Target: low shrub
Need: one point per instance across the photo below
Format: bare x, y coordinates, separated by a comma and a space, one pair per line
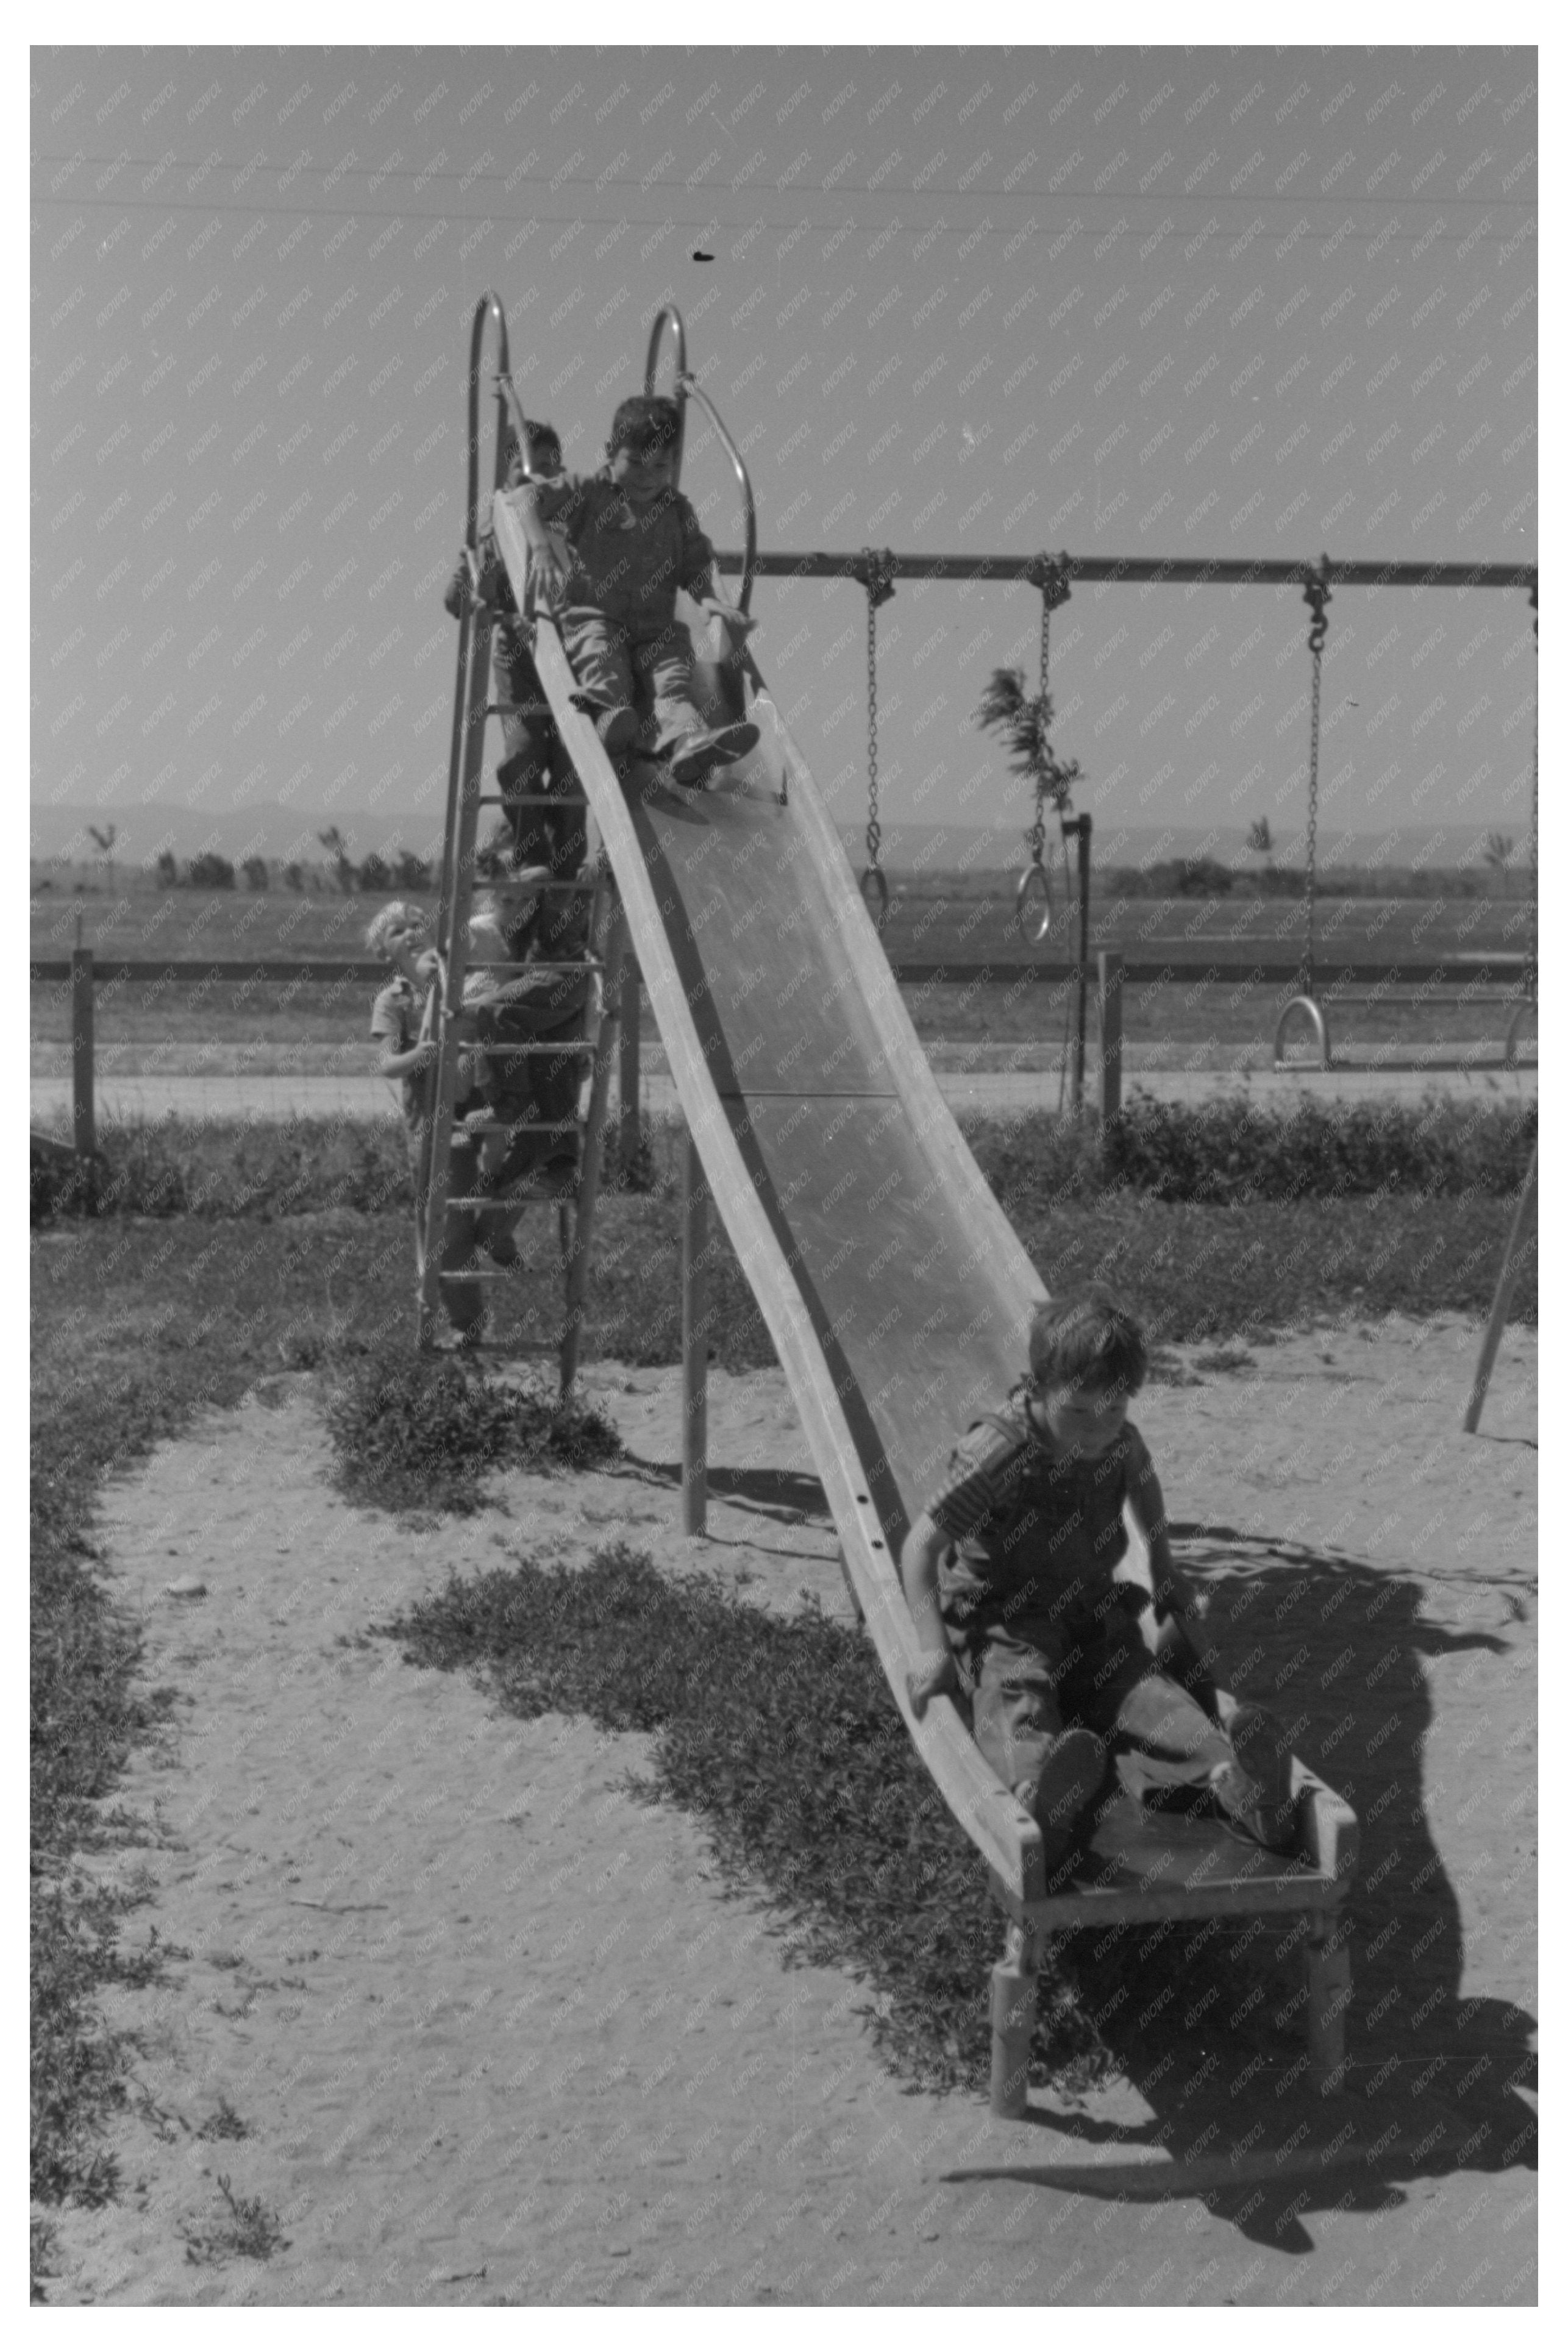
418, 1432
1233, 1150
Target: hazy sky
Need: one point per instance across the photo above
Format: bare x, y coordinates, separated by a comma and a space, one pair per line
1138, 302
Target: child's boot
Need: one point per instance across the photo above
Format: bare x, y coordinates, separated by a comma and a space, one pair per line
693, 759
617, 730
1254, 1792
1069, 1781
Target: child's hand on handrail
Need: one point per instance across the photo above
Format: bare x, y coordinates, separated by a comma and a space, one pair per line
552, 561
743, 623
933, 1677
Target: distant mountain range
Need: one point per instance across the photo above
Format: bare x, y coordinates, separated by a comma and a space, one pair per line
269, 829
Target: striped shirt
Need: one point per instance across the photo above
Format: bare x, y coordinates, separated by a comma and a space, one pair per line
1030, 1528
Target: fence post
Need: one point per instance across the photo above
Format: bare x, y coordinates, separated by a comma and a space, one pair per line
83, 1137
693, 1343
627, 1134
1111, 968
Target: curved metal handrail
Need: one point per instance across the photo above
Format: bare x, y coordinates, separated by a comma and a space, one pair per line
686, 387
490, 302
748, 503
670, 316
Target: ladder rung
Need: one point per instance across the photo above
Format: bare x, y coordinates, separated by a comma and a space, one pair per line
505, 1127
517, 709
529, 800
512, 1053
572, 963
565, 1189
539, 1127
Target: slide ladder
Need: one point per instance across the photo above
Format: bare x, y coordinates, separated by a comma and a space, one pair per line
455, 1024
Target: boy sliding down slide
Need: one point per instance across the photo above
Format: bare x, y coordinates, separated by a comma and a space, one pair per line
1009, 1573
633, 540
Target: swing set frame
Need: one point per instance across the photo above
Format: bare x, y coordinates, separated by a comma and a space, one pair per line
877, 570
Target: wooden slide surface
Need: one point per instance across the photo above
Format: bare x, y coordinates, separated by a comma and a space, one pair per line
896, 1292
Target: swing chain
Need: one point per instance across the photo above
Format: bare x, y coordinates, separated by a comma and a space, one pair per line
1318, 597
1532, 961
879, 571
1052, 575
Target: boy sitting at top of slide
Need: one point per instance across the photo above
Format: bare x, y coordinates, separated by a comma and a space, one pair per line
633, 540
1009, 1573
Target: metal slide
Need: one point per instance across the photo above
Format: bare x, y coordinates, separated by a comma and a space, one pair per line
896, 1293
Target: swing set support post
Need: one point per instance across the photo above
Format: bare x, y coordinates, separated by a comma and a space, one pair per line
1110, 971
1525, 1220
693, 1340
1083, 826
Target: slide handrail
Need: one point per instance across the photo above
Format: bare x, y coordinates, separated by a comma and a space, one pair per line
686, 388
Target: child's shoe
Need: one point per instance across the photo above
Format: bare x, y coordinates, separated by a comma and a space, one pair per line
617, 730
1069, 1782
1254, 1793
694, 758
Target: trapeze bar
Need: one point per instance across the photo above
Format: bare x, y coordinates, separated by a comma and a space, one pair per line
1184, 570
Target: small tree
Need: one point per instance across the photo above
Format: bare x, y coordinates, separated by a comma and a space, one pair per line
1498, 849
413, 872
210, 871
332, 842
105, 840
293, 876
256, 877
1024, 722
375, 873
1259, 839
168, 868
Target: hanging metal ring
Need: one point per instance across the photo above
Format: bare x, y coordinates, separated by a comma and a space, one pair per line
1522, 1012
1319, 1024
1032, 908
874, 890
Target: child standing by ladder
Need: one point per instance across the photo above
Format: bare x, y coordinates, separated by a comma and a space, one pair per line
399, 934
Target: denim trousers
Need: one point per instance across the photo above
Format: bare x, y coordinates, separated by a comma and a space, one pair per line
627, 664
1031, 1678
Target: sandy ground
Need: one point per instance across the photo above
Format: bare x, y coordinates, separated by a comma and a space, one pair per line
476, 2027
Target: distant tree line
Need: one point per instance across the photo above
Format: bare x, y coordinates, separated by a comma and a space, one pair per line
403, 870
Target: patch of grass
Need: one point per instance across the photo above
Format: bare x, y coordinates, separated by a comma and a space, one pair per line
418, 1432
780, 1736
224, 2123
249, 2228
1224, 1359
1230, 1151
